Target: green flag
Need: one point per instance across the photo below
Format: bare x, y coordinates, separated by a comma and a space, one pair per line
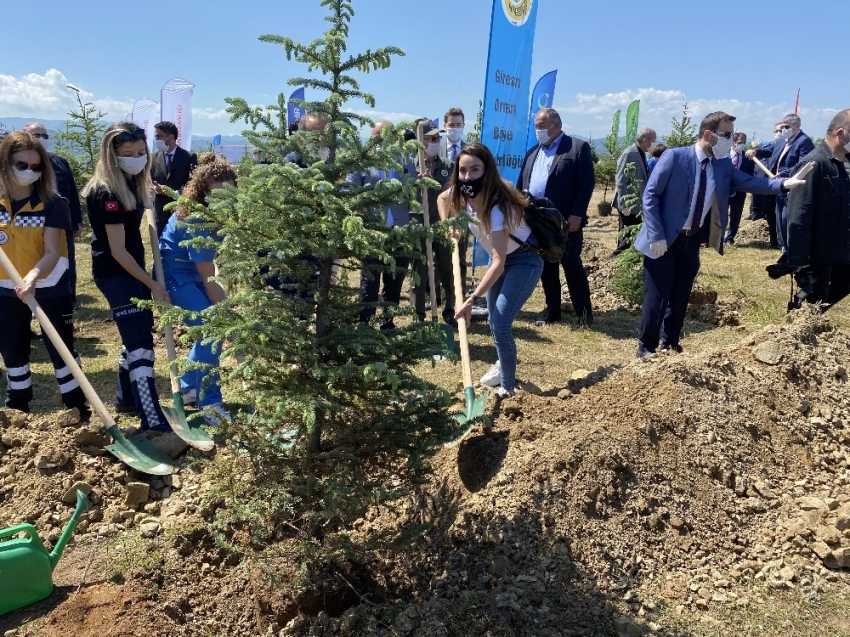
615, 126
632, 115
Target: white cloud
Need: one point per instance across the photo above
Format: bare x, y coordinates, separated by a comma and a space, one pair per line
210, 113
586, 113
47, 96
394, 116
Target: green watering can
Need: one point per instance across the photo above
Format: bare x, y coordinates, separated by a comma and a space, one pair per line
26, 568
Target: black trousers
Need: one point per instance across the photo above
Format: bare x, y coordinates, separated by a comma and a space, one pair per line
443, 278
576, 276
831, 284
371, 275
625, 221
15, 349
668, 281
736, 210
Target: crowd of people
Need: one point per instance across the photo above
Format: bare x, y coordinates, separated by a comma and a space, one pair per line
686, 198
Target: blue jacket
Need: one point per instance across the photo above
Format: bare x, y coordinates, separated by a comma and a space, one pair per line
798, 147
670, 190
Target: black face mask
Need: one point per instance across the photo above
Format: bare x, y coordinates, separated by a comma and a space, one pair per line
470, 187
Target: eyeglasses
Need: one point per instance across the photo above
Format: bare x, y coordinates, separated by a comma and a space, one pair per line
22, 166
40, 135
128, 136
726, 135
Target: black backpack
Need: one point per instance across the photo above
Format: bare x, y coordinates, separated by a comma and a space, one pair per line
549, 228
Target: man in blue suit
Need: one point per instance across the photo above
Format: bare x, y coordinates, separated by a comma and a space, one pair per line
686, 185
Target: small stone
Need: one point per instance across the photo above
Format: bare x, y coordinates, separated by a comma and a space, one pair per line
91, 438
676, 522
842, 557
768, 353
137, 493
70, 496
68, 418
787, 574
842, 523
173, 481
580, 374
765, 491
149, 529
170, 444
808, 503
51, 459
821, 549
499, 566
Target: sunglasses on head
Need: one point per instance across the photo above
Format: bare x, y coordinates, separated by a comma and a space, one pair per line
726, 135
128, 136
22, 166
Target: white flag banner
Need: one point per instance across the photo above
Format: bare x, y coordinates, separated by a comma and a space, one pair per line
176, 100
144, 114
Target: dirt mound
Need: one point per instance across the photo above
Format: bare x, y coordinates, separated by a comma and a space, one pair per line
600, 512
600, 272
753, 232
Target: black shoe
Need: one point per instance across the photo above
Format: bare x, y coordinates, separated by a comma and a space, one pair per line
125, 409
162, 428
643, 353
34, 336
85, 414
729, 242
547, 318
676, 348
450, 321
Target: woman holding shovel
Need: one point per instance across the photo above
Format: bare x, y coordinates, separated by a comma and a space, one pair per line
188, 269
116, 197
513, 272
33, 223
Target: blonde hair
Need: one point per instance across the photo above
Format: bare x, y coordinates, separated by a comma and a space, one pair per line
16, 142
107, 173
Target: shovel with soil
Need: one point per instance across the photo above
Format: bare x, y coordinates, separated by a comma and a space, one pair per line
137, 452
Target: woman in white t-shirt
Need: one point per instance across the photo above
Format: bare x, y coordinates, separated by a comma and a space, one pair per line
501, 229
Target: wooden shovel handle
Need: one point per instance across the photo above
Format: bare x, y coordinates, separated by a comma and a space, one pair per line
160, 276
426, 215
763, 167
465, 364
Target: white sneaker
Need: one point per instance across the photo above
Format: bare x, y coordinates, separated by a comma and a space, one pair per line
190, 397
215, 415
493, 376
505, 393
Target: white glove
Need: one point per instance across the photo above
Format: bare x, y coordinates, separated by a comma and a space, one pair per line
800, 178
658, 248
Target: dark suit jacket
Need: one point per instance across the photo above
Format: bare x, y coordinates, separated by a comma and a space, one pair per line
181, 168
799, 146
571, 177
67, 188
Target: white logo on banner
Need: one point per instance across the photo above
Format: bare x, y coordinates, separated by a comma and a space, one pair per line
517, 11
4, 238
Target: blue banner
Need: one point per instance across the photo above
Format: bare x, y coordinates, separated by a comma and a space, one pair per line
542, 96
217, 140
504, 129
295, 112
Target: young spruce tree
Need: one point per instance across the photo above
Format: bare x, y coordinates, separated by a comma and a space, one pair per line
80, 142
335, 419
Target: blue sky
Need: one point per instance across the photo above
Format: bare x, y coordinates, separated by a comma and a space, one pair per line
607, 53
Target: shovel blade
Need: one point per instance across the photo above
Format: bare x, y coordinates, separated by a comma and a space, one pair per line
474, 411
188, 429
139, 453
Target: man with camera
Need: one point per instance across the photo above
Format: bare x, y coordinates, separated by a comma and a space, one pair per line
819, 220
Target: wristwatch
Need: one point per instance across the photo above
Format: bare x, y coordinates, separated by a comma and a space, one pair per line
474, 298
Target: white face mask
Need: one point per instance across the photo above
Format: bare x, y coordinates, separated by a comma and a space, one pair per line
454, 134
542, 135
433, 148
777, 135
786, 133
847, 147
25, 177
722, 147
158, 144
739, 148
133, 165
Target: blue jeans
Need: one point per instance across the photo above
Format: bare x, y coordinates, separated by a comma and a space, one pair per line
193, 296
504, 301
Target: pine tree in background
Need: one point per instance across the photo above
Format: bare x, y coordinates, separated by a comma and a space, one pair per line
684, 133
474, 136
628, 273
336, 419
80, 143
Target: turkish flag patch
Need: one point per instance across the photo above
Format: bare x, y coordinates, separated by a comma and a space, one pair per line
112, 206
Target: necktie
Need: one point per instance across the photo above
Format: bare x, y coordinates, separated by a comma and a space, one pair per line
168, 163
700, 203
735, 160
453, 152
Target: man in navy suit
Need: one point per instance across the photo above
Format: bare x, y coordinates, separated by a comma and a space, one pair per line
560, 168
686, 185
737, 198
792, 146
